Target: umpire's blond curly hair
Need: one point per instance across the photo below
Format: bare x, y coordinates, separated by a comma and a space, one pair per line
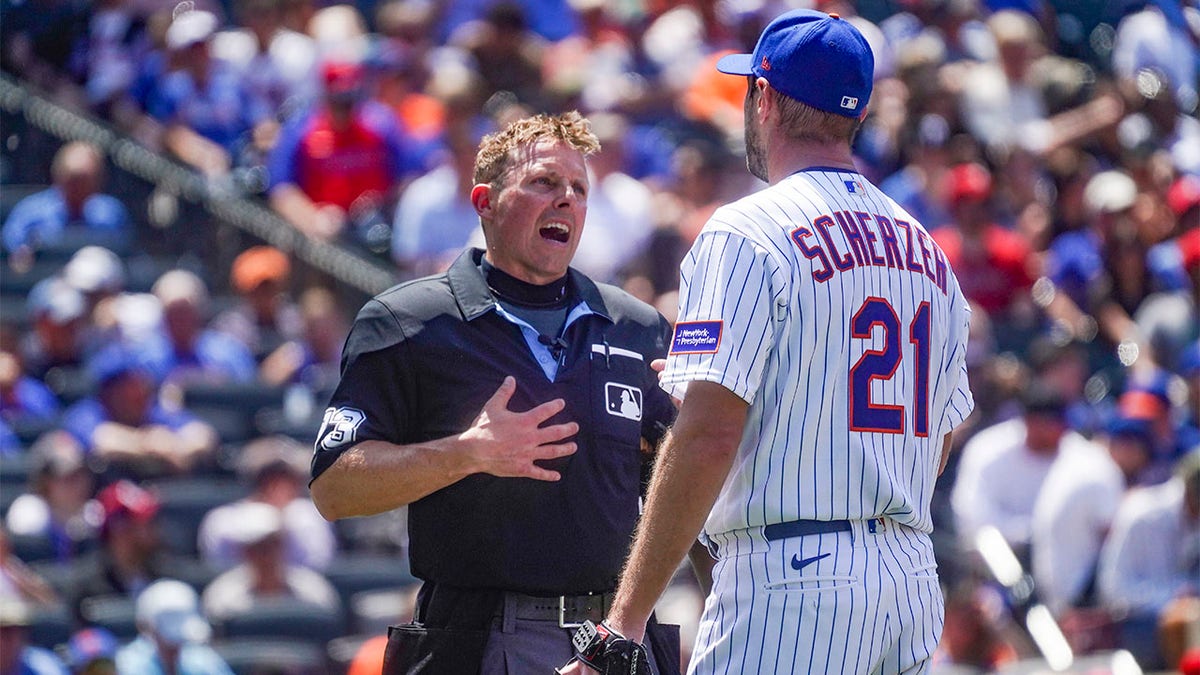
497, 151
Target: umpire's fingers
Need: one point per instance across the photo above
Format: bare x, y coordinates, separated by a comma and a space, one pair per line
545, 411
557, 432
548, 452
500, 399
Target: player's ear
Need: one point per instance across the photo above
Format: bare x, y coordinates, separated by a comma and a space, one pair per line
763, 100
481, 199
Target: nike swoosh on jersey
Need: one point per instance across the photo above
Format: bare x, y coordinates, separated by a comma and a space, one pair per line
798, 564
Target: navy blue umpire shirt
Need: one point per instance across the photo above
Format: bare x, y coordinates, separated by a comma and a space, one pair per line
420, 362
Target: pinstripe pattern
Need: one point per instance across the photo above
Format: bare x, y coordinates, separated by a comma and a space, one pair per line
873, 606
782, 272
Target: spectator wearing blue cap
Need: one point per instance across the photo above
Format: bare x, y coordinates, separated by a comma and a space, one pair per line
10, 445
91, 651
551, 19
56, 312
125, 423
917, 184
1131, 444
1064, 366
1189, 370
1147, 398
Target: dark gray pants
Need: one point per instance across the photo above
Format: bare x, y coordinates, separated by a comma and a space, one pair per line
454, 640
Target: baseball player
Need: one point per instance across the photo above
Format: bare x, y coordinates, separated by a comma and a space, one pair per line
820, 344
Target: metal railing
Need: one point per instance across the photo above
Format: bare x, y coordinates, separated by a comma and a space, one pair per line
219, 200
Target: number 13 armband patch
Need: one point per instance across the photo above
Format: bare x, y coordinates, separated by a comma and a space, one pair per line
340, 427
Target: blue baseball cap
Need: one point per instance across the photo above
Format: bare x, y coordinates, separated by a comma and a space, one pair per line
114, 361
90, 644
1131, 428
1189, 360
816, 58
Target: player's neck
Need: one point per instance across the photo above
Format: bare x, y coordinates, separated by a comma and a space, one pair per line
787, 158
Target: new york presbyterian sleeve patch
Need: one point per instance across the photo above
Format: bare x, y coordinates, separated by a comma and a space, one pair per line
696, 337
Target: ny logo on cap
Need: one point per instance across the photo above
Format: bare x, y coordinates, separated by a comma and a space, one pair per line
849, 102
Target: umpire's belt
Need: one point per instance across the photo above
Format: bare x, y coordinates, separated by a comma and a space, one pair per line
800, 528
570, 611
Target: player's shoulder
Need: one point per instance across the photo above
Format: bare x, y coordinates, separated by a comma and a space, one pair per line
758, 220
771, 203
617, 303
399, 312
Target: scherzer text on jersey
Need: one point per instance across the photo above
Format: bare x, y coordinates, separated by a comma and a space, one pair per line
866, 233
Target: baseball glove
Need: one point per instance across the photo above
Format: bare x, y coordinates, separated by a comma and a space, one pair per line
608, 652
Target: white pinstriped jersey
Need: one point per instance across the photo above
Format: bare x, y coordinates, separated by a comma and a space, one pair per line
829, 309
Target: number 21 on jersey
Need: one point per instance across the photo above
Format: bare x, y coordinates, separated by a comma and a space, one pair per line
882, 364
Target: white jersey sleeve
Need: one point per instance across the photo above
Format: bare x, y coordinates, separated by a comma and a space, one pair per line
961, 402
725, 298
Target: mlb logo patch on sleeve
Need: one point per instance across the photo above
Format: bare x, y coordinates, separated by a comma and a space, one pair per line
854, 187
696, 337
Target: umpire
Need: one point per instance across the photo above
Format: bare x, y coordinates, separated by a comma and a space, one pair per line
507, 402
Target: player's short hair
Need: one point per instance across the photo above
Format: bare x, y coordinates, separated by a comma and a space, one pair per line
496, 151
803, 122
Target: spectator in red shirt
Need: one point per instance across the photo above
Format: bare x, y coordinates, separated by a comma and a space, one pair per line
994, 265
342, 161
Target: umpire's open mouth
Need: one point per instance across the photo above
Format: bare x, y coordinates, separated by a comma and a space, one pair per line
559, 232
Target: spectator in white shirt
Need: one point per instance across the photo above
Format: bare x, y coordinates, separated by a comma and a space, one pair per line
1074, 510
276, 467
264, 573
1004, 467
1152, 557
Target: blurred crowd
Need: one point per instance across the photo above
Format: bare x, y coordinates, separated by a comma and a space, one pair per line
1051, 148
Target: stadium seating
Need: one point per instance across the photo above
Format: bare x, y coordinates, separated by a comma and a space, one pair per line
113, 612
184, 503
255, 656
285, 618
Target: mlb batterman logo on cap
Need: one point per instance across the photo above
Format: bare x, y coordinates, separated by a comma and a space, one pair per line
816, 58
